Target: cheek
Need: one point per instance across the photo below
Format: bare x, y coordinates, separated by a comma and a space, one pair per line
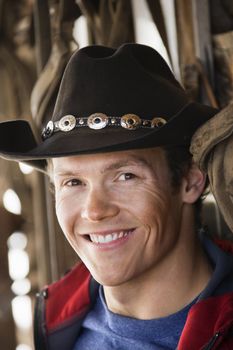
158, 211
151, 202
66, 212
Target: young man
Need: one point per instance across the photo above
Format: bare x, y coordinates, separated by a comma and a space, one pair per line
125, 189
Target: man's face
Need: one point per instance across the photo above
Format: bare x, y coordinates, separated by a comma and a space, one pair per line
118, 211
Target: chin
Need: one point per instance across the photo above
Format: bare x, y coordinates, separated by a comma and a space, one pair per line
108, 280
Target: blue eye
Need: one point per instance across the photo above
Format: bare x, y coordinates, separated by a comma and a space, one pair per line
127, 176
74, 182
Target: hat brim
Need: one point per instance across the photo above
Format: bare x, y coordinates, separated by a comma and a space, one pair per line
17, 141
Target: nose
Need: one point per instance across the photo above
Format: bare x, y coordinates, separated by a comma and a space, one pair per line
98, 206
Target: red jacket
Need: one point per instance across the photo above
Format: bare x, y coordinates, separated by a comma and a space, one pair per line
62, 306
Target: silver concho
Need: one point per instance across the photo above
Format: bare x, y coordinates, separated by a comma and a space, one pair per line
97, 121
158, 122
67, 123
130, 121
48, 130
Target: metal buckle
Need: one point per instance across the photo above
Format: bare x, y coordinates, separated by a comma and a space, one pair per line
97, 121
67, 123
130, 121
158, 122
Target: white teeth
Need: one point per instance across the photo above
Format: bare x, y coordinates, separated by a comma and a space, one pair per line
94, 238
121, 234
101, 239
115, 236
108, 238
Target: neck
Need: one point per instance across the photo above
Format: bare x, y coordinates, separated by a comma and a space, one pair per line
168, 287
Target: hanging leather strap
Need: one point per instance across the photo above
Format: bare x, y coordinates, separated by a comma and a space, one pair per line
206, 85
158, 17
42, 33
45, 90
186, 47
15, 77
110, 22
223, 54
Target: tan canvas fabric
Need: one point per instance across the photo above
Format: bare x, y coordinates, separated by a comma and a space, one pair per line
223, 54
212, 149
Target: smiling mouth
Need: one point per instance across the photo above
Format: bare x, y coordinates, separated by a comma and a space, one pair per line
110, 237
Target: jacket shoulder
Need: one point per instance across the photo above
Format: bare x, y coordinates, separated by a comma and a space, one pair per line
209, 319
68, 297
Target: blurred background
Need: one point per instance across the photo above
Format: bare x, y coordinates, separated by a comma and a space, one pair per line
37, 38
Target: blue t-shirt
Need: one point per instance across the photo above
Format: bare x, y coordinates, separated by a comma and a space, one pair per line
105, 330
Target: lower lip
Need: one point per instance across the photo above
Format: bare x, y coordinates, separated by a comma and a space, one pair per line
114, 244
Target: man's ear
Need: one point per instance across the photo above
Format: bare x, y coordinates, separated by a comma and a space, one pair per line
193, 184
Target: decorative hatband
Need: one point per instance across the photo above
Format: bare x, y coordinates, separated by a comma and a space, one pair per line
98, 121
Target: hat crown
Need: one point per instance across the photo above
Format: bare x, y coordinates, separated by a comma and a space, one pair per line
131, 79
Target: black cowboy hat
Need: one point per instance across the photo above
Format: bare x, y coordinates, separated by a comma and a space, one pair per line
109, 100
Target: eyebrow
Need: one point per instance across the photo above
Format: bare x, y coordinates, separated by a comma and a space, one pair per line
123, 163
132, 161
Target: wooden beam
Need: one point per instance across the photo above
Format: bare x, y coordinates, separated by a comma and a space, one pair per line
202, 36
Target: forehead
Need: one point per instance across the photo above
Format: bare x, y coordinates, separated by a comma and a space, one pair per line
143, 157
